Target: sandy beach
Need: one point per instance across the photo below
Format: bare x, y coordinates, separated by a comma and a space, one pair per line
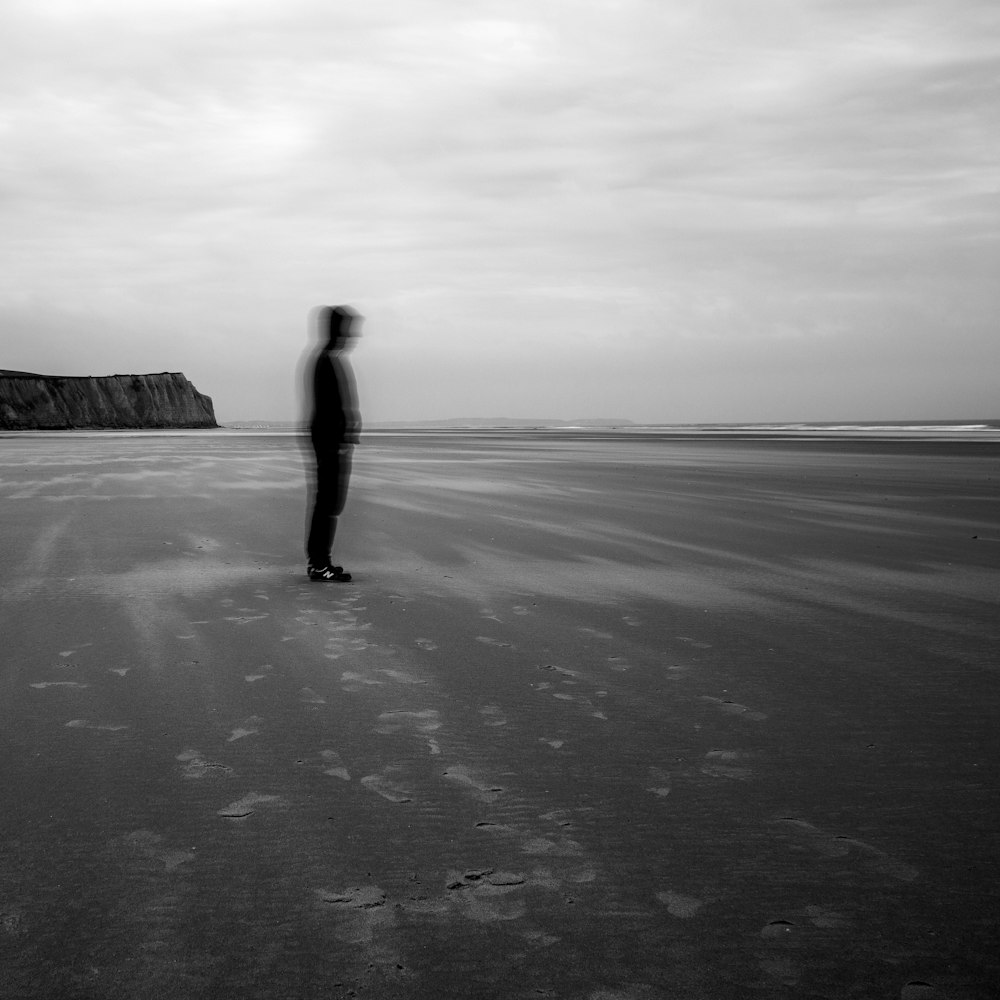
600, 717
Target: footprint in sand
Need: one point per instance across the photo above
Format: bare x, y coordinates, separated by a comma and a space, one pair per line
197, 766
262, 671
493, 715
248, 727
734, 708
361, 897
661, 784
330, 762
360, 912
558, 846
353, 682
778, 930
584, 703
594, 632
461, 775
565, 671
69, 652
334, 765
486, 895
520, 609
244, 808
387, 785
428, 644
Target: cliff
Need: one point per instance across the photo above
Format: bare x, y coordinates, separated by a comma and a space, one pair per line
52, 402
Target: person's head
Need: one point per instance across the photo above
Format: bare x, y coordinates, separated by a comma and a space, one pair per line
343, 324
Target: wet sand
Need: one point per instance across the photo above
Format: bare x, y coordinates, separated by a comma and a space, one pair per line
601, 716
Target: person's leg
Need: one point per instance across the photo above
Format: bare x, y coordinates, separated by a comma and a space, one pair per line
323, 525
333, 472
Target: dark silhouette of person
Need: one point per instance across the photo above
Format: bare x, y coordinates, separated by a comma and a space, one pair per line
334, 429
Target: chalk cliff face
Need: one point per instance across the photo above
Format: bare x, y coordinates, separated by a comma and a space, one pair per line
51, 402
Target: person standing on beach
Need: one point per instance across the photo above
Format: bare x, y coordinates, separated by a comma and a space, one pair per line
334, 430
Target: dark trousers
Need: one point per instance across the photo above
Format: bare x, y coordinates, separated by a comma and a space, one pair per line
333, 473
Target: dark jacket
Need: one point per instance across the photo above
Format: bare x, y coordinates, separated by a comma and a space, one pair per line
335, 417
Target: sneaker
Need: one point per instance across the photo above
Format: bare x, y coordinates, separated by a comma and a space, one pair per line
335, 574
310, 568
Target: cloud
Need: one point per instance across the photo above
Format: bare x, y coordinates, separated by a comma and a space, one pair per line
543, 209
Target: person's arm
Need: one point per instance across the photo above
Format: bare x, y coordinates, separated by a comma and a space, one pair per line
349, 402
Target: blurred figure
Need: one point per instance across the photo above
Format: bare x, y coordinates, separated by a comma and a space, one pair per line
334, 429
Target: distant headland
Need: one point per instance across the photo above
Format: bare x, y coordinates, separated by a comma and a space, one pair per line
112, 402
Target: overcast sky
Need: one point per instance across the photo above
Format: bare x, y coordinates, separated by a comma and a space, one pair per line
662, 210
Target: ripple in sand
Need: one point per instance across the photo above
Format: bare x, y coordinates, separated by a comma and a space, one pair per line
41, 685
239, 620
